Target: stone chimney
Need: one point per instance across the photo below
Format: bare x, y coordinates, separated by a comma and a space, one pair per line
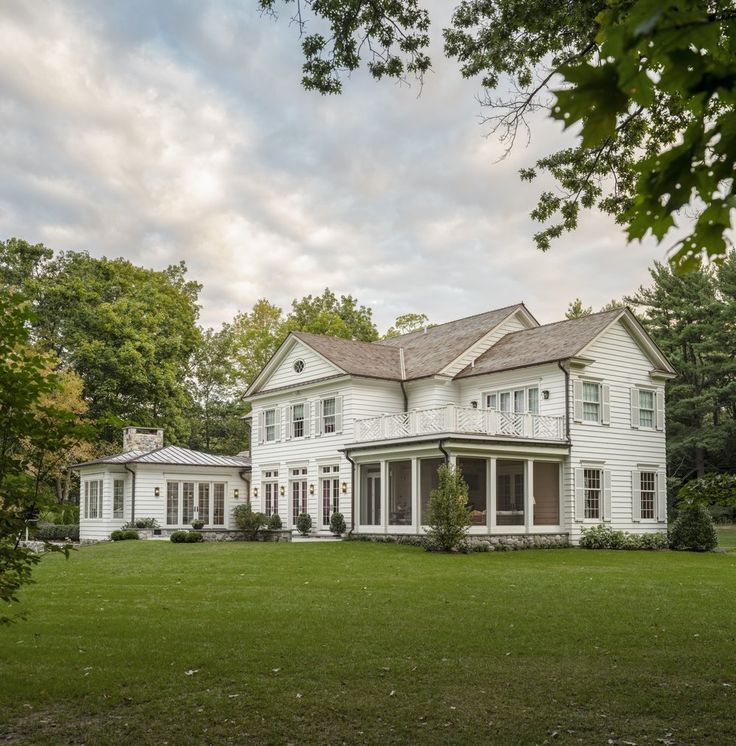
142, 438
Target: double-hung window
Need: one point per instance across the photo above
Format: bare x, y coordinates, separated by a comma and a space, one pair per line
269, 424
591, 402
329, 415
647, 484
297, 420
93, 498
593, 492
271, 491
518, 401
118, 498
646, 408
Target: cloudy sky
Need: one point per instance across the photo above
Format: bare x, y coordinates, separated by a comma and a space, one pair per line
179, 130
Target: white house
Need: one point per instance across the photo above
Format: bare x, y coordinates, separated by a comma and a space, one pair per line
555, 427
171, 484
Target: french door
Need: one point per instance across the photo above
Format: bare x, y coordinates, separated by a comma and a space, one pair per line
190, 501
298, 493
330, 491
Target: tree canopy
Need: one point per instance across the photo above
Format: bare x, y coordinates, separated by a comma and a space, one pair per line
649, 84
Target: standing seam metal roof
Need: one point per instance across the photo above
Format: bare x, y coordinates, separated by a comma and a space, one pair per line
172, 455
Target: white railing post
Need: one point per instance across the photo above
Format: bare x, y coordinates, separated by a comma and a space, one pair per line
450, 418
528, 426
412, 422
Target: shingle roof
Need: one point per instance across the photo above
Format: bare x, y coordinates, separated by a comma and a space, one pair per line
357, 358
542, 344
428, 352
173, 455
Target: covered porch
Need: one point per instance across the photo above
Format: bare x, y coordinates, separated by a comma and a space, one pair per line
511, 489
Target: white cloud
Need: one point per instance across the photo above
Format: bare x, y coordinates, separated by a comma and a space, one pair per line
163, 132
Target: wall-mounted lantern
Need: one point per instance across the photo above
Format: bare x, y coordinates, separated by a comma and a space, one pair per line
545, 394
474, 404
344, 487
255, 492
282, 490
311, 489
157, 492
236, 493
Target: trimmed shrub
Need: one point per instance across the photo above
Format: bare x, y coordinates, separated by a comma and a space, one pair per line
248, 521
198, 524
194, 537
449, 514
141, 523
603, 536
130, 533
179, 537
274, 522
337, 524
304, 523
116, 536
694, 530
57, 532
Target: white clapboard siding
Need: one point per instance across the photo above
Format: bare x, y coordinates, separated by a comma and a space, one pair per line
315, 367
619, 447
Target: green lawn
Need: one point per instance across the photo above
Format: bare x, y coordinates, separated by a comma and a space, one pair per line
149, 642
727, 537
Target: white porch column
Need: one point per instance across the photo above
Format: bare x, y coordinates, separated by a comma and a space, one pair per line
492, 494
415, 494
384, 495
529, 495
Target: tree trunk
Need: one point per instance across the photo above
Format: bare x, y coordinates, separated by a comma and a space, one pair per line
700, 461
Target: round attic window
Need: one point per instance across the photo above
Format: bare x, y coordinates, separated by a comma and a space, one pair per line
298, 366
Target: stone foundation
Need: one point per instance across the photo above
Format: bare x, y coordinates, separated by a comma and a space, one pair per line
216, 534
478, 543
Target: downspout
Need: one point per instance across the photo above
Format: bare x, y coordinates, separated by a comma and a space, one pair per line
406, 397
441, 446
403, 379
567, 398
242, 476
132, 493
352, 491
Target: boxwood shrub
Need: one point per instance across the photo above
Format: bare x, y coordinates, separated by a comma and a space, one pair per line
693, 530
57, 532
605, 537
186, 537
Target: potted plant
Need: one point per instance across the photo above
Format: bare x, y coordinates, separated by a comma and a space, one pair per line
197, 524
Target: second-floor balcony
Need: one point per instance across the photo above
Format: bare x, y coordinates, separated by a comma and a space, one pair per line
462, 420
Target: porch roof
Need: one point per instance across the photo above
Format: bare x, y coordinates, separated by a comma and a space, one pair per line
171, 455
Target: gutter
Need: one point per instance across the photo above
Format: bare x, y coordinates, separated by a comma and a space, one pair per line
132, 493
352, 491
567, 399
441, 446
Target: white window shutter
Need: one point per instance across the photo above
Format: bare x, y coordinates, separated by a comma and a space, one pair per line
307, 419
634, 407
577, 407
277, 423
318, 418
659, 399
338, 414
662, 496
99, 500
288, 418
635, 496
261, 428
606, 512
606, 408
86, 500
579, 495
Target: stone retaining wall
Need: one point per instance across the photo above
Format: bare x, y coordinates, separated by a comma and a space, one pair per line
485, 543
217, 534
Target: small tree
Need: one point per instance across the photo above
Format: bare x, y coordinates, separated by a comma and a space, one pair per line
449, 514
249, 522
337, 524
304, 523
694, 530
274, 522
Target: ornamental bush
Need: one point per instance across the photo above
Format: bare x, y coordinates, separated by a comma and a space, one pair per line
116, 536
179, 537
248, 521
130, 533
304, 523
57, 532
194, 537
694, 530
141, 523
449, 514
337, 524
603, 536
274, 522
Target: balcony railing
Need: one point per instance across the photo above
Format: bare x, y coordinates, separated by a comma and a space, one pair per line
453, 419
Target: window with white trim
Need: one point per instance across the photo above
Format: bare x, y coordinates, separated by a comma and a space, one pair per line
592, 483
329, 415
646, 408
270, 481
93, 498
330, 491
297, 420
648, 486
298, 488
118, 498
269, 424
524, 400
591, 402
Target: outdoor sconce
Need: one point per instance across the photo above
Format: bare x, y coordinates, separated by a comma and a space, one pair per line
255, 492
311, 489
282, 490
236, 493
545, 394
474, 404
344, 487
156, 492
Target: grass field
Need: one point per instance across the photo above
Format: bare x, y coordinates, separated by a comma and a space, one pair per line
148, 642
727, 537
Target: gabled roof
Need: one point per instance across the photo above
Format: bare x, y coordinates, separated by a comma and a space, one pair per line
171, 455
356, 358
561, 340
427, 352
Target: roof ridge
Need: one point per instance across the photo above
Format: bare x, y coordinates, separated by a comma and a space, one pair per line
566, 321
452, 321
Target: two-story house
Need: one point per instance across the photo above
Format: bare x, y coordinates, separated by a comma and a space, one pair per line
554, 427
